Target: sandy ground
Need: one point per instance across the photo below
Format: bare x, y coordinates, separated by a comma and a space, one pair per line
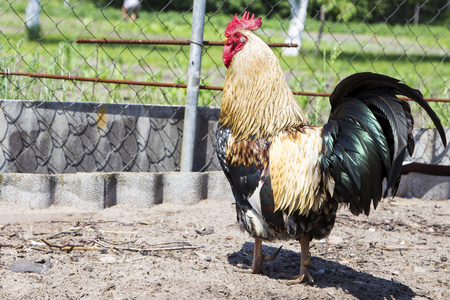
192, 251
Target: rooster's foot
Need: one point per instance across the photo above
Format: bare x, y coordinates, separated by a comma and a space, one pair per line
304, 277
258, 258
305, 260
243, 268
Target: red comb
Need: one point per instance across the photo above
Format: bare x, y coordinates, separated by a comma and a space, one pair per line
245, 23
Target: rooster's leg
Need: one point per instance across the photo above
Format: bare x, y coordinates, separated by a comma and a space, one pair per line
305, 260
257, 264
258, 258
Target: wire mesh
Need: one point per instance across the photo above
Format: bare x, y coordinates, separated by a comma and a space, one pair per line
408, 40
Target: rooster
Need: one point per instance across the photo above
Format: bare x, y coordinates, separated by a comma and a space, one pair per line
289, 177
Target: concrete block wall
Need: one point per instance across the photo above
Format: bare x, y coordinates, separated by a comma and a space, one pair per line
45, 137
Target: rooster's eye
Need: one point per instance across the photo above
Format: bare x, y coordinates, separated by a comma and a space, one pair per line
236, 36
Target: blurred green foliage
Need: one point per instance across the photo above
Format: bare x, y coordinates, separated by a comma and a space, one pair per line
391, 12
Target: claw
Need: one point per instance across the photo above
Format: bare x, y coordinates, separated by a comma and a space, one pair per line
305, 277
249, 270
273, 256
307, 261
243, 268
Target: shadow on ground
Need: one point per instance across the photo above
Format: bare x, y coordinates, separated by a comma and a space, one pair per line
326, 274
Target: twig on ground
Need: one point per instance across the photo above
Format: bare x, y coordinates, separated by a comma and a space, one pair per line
118, 243
19, 233
117, 232
169, 244
121, 223
4, 226
67, 231
403, 248
69, 247
107, 247
166, 246
98, 234
162, 249
61, 221
39, 249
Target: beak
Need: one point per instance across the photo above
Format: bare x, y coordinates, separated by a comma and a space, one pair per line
225, 39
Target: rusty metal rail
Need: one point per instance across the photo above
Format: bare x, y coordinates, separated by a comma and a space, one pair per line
164, 42
161, 84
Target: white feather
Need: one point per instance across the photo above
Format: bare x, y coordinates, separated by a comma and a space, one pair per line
258, 223
255, 200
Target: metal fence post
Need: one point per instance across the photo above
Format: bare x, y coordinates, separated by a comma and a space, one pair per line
33, 12
195, 59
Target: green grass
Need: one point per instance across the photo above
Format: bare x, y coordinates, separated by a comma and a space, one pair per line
314, 70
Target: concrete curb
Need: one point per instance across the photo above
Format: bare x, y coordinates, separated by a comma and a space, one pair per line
428, 150
95, 191
429, 187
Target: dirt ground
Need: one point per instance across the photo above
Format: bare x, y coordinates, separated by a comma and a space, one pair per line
192, 251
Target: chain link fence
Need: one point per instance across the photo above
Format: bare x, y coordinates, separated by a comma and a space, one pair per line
98, 107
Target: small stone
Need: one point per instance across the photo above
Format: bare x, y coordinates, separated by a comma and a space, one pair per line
107, 259
396, 280
335, 240
203, 256
30, 267
34, 243
205, 230
389, 225
419, 270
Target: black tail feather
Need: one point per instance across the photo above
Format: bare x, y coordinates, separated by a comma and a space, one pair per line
361, 83
371, 130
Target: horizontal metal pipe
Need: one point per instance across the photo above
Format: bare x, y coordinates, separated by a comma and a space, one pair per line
165, 42
162, 84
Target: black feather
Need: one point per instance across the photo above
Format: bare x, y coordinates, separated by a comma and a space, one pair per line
243, 180
360, 83
367, 136
272, 217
